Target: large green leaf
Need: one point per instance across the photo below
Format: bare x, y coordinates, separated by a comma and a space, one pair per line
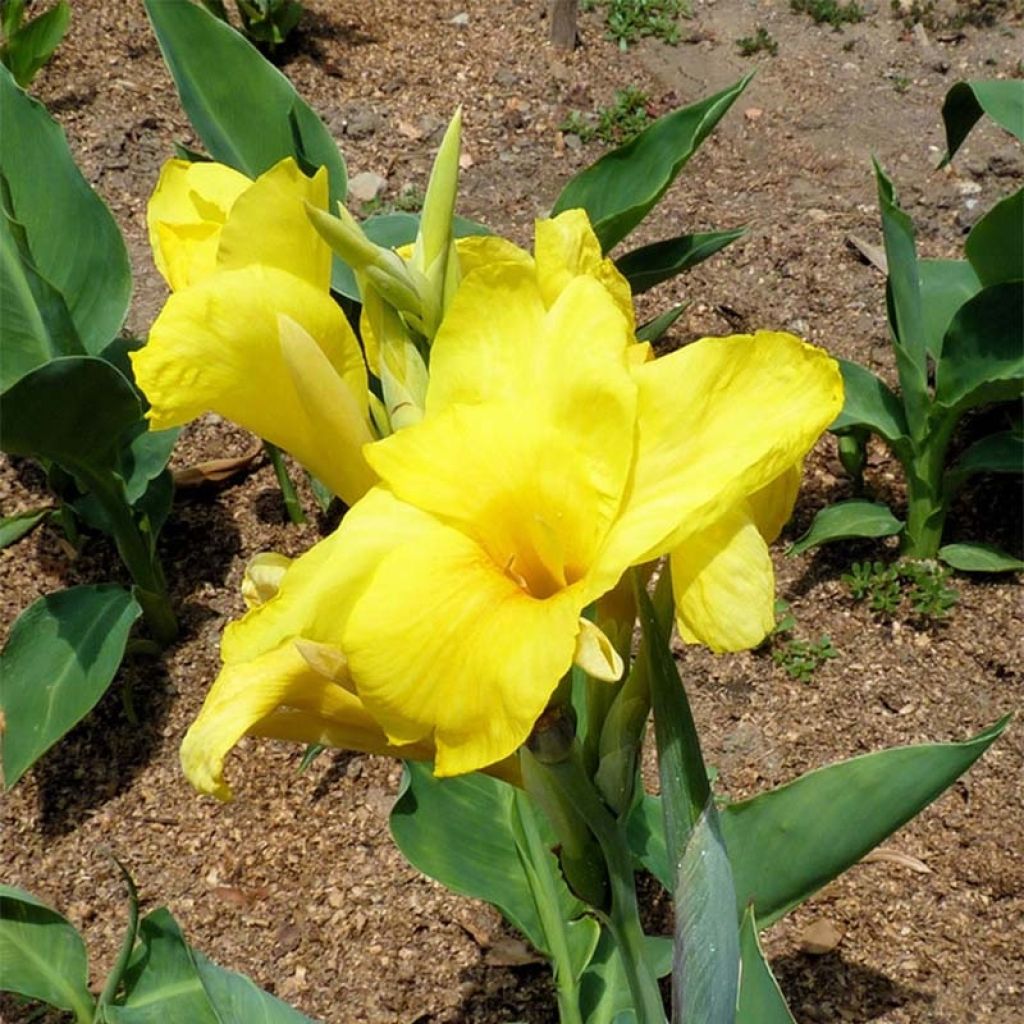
845, 520
623, 186
965, 102
761, 1000
705, 971
246, 112
983, 352
604, 989
167, 980
73, 239
787, 843
868, 402
945, 286
998, 453
979, 558
71, 410
651, 264
59, 660
36, 325
995, 245
41, 955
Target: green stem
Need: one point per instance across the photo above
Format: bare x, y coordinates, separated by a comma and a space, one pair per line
291, 499
927, 502
546, 901
624, 918
113, 981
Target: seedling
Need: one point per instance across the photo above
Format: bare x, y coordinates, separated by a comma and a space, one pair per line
886, 588
800, 659
25, 46
760, 42
829, 12
630, 20
622, 120
267, 23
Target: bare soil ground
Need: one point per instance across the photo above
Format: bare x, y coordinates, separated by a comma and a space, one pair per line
297, 882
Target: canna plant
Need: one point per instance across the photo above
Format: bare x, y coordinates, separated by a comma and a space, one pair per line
535, 485
25, 46
268, 23
69, 402
957, 329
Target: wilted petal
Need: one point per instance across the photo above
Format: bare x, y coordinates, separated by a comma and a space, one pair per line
596, 655
724, 585
262, 578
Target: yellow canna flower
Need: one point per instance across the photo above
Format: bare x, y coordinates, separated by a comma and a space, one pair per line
251, 331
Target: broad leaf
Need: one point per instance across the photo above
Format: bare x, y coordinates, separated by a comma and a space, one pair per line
651, 264
41, 955
74, 241
997, 453
945, 286
983, 352
995, 246
761, 1000
15, 527
787, 843
1003, 101
605, 997
847, 519
246, 112
869, 403
60, 658
623, 186
979, 558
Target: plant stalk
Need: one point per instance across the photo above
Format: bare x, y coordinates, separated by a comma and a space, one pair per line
927, 502
289, 495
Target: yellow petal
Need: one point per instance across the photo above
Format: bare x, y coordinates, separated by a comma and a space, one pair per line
772, 506
724, 585
596, 655
268, 225
444, 642
476, 251
216, 347
185, 215
263, 575
718, 420
566, 247
248, 698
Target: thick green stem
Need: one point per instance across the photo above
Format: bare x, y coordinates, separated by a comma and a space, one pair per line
289, 495
624, 917
927, 503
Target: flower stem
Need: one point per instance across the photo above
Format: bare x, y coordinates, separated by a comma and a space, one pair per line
292, 504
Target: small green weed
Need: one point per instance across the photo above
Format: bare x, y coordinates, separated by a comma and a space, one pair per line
800, 659
623, 119
630, 20
409, 200
829, 12
921, 584
760, 42
901, 83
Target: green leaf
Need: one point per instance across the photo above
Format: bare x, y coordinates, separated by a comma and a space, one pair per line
246, 112
41, 955
623, 186
983, 351
995, 246
761, 1000
705, 971
945, 286
145, 457
651, 264
604, 989
1003, 101
998, 453
787, 843
32, 45
848, 519
481, 859
15, 527
169, 981
869, 403
70, 410
656, 328
60, 658
37, 326
979, 558
74, 241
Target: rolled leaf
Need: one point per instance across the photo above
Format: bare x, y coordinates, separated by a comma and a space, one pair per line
74, 242
651, 264
845, 520
42, 955
1003, 101
623, 186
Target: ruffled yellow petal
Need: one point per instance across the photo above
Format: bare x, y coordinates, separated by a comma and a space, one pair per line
724, 585
263, 575
476, 251
268, 225
566, 247
216, 346
185, 215
276, 694
444, 642
717, 421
